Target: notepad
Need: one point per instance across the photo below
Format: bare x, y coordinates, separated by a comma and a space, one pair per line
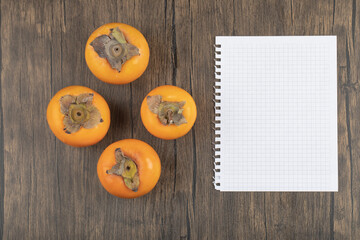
276, 114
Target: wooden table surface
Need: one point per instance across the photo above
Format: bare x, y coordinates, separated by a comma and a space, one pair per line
49, 190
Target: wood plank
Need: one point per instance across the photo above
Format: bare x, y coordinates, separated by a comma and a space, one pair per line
184, 180
30, 202
201, 24
342, 206
216, 215
353, 117
2, 171
158, 207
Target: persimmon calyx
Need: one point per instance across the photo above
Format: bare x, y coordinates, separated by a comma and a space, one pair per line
168, 112
79, 112
127, 169
114, 48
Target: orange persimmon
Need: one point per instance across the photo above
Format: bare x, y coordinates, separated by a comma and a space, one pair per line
168, 112
78, 116
117, 53
129, 168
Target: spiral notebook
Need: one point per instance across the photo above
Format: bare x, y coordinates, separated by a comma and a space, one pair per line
276, 114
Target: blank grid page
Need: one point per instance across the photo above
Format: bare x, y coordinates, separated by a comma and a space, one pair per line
278, 129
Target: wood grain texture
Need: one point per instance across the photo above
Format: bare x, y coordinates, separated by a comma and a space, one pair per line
49, 190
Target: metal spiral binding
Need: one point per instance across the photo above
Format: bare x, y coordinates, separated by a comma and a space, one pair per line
217, 122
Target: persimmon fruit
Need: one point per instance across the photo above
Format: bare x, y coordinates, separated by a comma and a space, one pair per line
168, 112
78, 116
117, 53
129, 168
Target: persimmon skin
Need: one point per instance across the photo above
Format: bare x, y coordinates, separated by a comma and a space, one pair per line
146, 159
83, 137
172, 94
132, 69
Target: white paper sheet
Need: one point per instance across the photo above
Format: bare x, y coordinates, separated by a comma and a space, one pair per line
278, 129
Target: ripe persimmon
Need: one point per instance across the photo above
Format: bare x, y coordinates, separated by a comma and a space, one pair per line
117, 53
78, 116
129, 168
168, 112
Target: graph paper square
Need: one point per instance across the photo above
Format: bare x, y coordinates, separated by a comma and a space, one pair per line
278, 113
